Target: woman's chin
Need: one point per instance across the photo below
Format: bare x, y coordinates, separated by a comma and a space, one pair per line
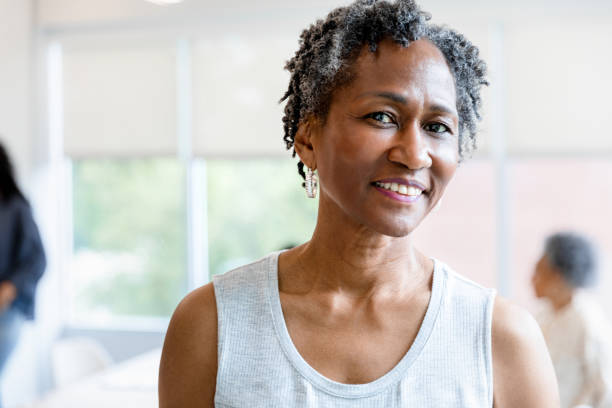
396, 228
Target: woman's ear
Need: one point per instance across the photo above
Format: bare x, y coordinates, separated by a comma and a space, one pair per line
303, 142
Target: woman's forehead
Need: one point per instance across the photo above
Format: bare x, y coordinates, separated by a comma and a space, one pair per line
419, 67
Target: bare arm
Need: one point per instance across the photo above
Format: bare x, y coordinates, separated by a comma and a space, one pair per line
523, 373
188, 368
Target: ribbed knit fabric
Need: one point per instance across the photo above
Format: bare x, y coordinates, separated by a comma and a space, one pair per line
448, 365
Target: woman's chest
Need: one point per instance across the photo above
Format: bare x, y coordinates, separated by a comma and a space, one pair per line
356, 347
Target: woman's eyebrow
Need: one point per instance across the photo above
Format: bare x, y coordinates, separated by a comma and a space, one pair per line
443, 109
398, 98
395, 97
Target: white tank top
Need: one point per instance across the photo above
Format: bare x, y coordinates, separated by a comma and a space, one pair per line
449, 364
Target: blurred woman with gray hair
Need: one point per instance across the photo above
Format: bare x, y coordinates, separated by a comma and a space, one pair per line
578, 335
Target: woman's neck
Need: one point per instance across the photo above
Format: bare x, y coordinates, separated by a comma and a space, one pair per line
561, 300
347, 257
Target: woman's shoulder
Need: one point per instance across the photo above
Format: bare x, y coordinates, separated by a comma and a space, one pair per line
512, 327
188, 365
512, 323
520, 359
189, 358
195, 316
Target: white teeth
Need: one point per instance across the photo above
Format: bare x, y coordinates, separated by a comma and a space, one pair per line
401, 188
413, 191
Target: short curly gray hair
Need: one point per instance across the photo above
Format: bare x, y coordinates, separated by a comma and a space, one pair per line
329, 47
574, 257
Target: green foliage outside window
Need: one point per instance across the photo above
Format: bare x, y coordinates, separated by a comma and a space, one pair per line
130, 209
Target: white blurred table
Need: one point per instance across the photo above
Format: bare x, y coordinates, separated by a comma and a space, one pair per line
131, 383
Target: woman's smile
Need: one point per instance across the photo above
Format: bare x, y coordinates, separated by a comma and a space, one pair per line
400, 190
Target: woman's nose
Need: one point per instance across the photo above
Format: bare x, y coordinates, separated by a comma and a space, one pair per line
410, 148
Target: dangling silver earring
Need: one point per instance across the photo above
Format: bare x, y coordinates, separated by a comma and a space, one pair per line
311, 183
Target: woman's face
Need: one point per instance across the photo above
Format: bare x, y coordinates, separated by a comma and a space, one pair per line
389, 144
547, 282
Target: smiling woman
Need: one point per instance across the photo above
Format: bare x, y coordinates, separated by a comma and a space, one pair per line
383, 106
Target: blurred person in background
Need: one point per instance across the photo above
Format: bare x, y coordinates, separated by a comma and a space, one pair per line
22, 260
576, 330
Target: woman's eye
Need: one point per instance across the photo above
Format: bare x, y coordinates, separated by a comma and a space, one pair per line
381, 117
437, 128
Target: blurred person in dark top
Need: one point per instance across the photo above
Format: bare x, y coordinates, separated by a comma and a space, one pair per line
22, 260
575, 327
